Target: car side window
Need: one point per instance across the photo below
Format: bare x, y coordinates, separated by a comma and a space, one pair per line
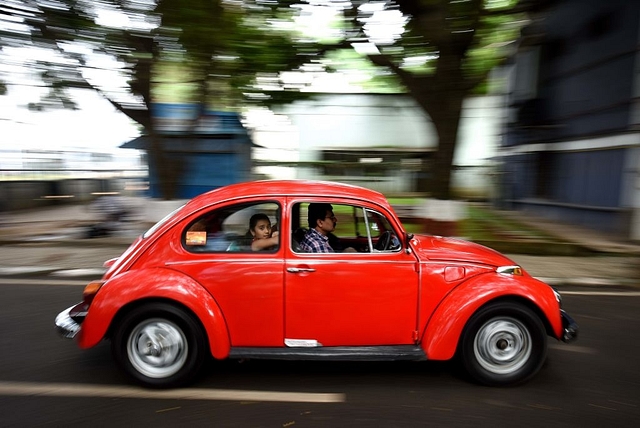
227, 229
357, 229
380, 232
344, 225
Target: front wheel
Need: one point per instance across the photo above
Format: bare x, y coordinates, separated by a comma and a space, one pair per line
503, 344
159, 345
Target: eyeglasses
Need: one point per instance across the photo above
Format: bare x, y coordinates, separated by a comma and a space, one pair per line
332, 217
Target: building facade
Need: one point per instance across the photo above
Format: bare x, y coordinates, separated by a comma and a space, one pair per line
571, 147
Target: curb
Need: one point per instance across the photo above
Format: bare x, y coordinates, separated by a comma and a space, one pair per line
624, 283
550, 248
95, 242
21, 272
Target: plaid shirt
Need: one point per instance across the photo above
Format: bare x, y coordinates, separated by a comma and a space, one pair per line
315, 242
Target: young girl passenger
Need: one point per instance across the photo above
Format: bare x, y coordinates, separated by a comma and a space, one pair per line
260, 228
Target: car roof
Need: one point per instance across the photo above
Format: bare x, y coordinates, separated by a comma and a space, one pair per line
303, 188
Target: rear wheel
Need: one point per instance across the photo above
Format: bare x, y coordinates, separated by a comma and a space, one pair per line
159, 345
503, 343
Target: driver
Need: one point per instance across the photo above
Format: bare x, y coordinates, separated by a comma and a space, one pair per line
322, 222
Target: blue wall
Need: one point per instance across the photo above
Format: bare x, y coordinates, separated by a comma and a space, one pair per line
585, 62
203, 172
582, 188
214, 152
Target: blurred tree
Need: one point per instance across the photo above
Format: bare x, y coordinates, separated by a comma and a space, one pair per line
463, 40
128, 50
224, 53
441, 51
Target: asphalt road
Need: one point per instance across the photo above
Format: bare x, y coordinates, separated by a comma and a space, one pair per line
48, 381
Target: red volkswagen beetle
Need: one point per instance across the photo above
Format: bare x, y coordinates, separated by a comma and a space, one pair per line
195, 284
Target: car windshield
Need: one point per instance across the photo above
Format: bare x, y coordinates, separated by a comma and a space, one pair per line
156, 226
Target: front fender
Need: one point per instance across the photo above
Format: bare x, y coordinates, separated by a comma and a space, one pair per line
158, 283
442, 332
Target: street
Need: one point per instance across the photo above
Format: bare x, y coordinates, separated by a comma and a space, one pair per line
48, 381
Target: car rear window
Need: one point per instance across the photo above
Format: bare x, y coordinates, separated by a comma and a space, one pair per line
156, 226
226, 228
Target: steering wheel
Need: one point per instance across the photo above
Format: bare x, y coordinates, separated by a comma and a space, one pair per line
383, 241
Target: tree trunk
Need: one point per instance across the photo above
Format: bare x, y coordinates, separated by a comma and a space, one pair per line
168, 168
440, 96
446, 121
444, 108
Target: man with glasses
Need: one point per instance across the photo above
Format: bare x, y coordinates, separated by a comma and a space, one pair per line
322, 222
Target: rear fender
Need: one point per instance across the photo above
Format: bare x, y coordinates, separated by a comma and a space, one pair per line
135, 286
442, 332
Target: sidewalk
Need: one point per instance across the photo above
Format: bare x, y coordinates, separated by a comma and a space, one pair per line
597, 242
49, 243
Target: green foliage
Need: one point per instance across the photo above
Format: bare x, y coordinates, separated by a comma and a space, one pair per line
485, 224
221, 52
226, 54
201, 51
496, 35
481, 224
363, 73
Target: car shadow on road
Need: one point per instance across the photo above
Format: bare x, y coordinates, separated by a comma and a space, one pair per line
96, 366
298, 375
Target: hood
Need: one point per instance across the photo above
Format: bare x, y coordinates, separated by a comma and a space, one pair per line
457, 250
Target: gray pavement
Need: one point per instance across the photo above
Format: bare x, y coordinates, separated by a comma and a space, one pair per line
50, 242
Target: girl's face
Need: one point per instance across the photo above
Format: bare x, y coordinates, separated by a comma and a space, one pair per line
262, 229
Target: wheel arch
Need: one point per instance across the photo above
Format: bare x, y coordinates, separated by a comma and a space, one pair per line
131, 306
119, 298
443, 331
518, 300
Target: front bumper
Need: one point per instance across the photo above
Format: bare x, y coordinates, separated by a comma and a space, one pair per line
66, 326
569, 327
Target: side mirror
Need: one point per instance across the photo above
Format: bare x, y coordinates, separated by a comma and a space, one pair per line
407, 240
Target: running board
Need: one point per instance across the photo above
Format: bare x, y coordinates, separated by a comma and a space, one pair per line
334, 353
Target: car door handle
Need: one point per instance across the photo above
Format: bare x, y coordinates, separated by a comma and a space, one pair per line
298, 270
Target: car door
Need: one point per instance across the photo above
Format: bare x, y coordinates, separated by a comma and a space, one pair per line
246, 284
351, 299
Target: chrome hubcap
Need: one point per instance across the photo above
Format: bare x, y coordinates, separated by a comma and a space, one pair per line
157, 348
502, 345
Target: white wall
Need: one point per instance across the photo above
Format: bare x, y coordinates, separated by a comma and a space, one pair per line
370, 120
299, 131
359, 120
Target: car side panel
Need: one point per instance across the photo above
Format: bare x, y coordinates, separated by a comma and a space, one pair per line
247, 286
249, 290
354, 299
438, 279
152, 283
442, 331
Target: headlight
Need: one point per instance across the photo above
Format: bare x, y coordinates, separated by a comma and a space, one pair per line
510, 270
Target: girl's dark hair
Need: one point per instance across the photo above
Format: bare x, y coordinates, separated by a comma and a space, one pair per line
254, 219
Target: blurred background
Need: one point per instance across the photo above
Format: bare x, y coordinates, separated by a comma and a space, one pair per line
447, 107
